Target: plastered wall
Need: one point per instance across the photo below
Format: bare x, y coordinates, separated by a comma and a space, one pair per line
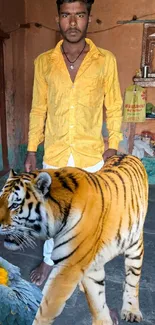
124, 41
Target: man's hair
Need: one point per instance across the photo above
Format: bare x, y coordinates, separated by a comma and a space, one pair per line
87, 2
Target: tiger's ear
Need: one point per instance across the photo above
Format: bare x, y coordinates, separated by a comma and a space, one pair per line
12, 173
43, 182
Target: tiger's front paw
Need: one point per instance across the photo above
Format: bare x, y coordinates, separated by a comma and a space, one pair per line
112, 320
130, 316
103, 322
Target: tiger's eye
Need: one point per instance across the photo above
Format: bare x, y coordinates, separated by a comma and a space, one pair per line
14, 206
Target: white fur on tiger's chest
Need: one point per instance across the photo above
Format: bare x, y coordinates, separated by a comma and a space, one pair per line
64, 240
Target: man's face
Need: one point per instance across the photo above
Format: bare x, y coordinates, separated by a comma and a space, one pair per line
73, 21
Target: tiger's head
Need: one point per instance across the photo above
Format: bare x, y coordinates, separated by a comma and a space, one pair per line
23, 211
38, 204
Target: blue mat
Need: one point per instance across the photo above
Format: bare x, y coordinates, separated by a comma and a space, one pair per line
149, 164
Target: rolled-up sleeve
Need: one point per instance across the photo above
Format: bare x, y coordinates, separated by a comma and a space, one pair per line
113, 104
39, 107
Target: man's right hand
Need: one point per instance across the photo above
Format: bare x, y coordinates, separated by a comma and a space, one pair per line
30, 161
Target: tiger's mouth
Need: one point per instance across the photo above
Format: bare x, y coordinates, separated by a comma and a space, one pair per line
6, 230
16, 239
9, 241
11, 244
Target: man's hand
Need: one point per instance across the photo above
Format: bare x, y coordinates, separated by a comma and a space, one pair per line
30, 161
109, 153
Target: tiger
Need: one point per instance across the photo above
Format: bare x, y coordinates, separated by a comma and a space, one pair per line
92, 217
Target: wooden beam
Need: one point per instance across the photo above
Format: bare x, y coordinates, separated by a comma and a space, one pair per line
4, 172
132, 127
135, 21
3, 35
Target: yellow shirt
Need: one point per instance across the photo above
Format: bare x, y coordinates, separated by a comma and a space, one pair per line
68, 116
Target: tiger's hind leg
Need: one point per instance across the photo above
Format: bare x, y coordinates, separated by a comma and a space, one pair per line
133, 265
94, 287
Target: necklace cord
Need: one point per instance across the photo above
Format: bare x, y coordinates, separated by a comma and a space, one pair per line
72, 62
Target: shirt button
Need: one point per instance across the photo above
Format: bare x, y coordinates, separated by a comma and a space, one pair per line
71, 145
71, 126
72, 106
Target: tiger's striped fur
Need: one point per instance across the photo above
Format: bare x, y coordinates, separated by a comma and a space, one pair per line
92, 218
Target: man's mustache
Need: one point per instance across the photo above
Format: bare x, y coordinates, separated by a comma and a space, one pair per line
73, 30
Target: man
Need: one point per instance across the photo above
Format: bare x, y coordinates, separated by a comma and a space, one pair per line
71, 84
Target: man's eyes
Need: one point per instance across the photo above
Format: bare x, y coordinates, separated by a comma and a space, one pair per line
77, 15
81, 15
64, 15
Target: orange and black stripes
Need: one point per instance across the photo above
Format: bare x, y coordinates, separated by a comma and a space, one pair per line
93, 217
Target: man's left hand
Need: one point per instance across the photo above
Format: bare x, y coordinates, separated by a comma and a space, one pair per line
109, 153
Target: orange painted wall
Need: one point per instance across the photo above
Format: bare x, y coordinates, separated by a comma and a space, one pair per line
20, 51
37, 41
124, 41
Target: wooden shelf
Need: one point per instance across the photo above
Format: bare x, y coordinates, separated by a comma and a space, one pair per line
136, 21
138, 128
144, 82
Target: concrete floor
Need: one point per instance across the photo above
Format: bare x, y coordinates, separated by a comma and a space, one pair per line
76, 311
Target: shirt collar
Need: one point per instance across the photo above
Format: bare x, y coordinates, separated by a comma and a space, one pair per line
94, 51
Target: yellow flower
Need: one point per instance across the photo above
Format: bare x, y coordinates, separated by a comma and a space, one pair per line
3, 276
